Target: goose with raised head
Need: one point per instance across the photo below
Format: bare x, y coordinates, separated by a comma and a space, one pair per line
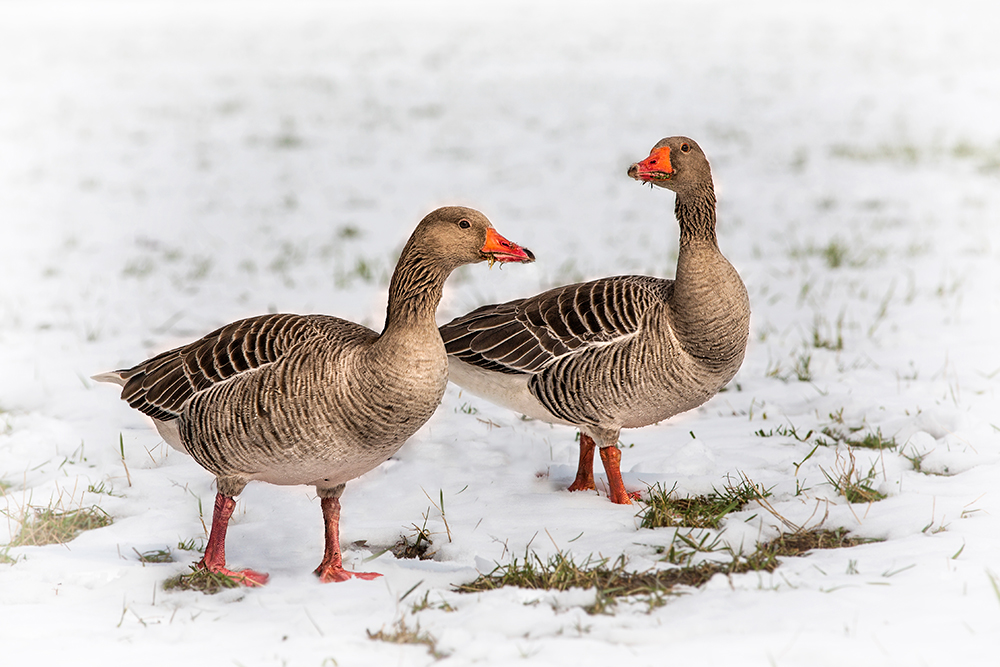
313, 399
619, 352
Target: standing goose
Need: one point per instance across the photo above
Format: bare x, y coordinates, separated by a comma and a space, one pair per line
620, 352
313, 399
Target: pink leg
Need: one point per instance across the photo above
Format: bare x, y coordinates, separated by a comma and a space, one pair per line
214, 559
611, 457
585, 470
332, 567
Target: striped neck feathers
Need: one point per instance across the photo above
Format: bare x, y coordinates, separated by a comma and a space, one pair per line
415, 289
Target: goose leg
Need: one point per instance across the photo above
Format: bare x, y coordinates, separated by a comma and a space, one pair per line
214, 559
332, 567
611, 457
585, 470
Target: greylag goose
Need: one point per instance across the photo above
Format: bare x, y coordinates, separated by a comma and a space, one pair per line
620, 352
313, 399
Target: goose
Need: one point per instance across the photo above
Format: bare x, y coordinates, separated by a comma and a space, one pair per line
618, 352
313, 399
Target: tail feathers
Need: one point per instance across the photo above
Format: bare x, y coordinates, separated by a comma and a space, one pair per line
113, 377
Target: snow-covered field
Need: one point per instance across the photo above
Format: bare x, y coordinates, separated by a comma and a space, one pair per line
166, 168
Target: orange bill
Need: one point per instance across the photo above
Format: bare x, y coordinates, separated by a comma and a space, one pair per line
656, 167
498, 249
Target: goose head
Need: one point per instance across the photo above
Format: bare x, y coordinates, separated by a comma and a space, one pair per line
675, 163
456, 235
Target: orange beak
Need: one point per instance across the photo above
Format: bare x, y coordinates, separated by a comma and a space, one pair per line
656, 167
498, 249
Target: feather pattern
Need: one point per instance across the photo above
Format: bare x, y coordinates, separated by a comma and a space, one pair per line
160, 387
526, 335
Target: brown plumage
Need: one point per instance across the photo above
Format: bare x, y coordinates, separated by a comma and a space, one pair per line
313, 399
620, 352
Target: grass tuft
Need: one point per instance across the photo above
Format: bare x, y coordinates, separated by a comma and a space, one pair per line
419, 546
848, 481
798, 543
665, 509
404, 634
52, 526
202, 580
870, 440
194, 544
560, 572
155, 556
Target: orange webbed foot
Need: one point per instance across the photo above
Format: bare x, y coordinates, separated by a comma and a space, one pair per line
248, 578
334, 574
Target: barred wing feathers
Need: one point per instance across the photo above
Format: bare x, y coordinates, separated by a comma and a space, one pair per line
161, 386
527, 335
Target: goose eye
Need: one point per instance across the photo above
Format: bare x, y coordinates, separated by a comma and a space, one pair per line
685, 148
464, 224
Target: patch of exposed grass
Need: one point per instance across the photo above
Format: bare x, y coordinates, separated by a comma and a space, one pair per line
421, 542
848, 481
5, 557
100, 489
48, 525
823, 338
664, 508
417, 546
788, 431
916, 460
612, 581
801, 370
155, 556
202, 580
401, 633
798, 543
560, 572
870, 440
835, 433
684, 547
194, 544
425, 603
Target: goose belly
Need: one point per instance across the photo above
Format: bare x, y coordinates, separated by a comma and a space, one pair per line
651, 402
505, 389
324, 472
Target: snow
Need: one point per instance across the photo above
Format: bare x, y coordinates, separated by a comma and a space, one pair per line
170, 167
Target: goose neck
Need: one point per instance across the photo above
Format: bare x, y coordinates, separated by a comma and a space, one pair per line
414, 291
695, 213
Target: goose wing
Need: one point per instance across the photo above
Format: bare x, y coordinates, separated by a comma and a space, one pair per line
161, 386
526, 335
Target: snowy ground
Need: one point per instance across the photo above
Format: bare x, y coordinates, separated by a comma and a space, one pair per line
167, 168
